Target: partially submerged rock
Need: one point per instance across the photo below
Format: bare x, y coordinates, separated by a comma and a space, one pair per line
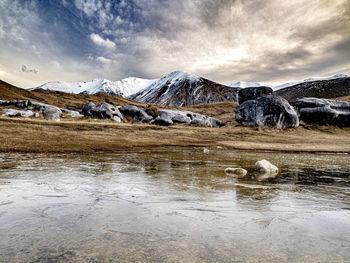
239, 172
52, 113
271, 111
266, 170
253, 93
323, 111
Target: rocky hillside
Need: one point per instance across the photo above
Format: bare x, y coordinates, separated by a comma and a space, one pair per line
180, 89
59, 99
333, 88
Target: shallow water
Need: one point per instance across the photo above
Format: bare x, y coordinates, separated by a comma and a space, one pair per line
175, 206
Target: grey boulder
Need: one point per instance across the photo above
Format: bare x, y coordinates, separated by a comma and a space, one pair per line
253, 93
105, 111
52, 113
138, 114
16, 113
323, 111
168, 117
270, 111
87, 108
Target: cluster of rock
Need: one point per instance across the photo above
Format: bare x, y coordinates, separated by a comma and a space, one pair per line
259, 107
163, 117
323, 111
49, 112
264, 171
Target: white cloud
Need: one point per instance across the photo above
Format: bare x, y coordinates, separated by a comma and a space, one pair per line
98, 40
104, 60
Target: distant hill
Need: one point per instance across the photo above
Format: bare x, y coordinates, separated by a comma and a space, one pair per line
331, 88
179, 89
59, 99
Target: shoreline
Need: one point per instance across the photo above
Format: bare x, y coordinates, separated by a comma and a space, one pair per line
19, 135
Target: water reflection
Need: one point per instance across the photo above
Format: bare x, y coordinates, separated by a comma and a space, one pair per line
176, 206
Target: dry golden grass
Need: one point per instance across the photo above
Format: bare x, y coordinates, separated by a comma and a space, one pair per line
31, 135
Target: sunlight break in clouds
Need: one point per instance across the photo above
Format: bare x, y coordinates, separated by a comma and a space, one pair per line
225, 40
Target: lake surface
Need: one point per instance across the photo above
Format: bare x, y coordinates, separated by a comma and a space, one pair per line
174, 206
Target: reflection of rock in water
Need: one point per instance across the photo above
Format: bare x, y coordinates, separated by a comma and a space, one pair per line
256, 192
307, 176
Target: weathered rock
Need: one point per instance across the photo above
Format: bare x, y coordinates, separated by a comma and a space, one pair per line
16, 113
138, 114
52, 113
323, 111
37, 106
87, 108
271, 111
239, 172
266, 170
168, 117
72, 113
253, 93
105, 111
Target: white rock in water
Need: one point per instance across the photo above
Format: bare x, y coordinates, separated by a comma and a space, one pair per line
240, 172
267, 168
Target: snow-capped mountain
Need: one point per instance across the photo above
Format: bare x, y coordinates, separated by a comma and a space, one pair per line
245, 84
183, 89
122, 88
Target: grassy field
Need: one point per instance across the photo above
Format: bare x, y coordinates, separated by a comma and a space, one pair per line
86, 135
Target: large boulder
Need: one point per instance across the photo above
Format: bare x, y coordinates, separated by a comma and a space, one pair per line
323, 111
52, 113
105, 111
253, 93
270, 110
138, 114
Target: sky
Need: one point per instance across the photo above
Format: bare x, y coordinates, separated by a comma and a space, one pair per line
266, 41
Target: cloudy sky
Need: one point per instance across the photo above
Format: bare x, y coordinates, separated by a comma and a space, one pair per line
268, 41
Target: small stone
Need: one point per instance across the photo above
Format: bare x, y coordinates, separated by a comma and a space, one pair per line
239, 172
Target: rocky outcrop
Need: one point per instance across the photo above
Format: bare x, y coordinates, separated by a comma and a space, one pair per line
136, 113
17, 113
37, 106
253, 93
270, 111
169, 117
106, 111
323, 111
52, 113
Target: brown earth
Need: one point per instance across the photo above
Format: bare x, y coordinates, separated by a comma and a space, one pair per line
86, 135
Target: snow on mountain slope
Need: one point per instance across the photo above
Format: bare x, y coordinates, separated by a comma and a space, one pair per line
183, 89
122, 88
289, 84
244, 84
